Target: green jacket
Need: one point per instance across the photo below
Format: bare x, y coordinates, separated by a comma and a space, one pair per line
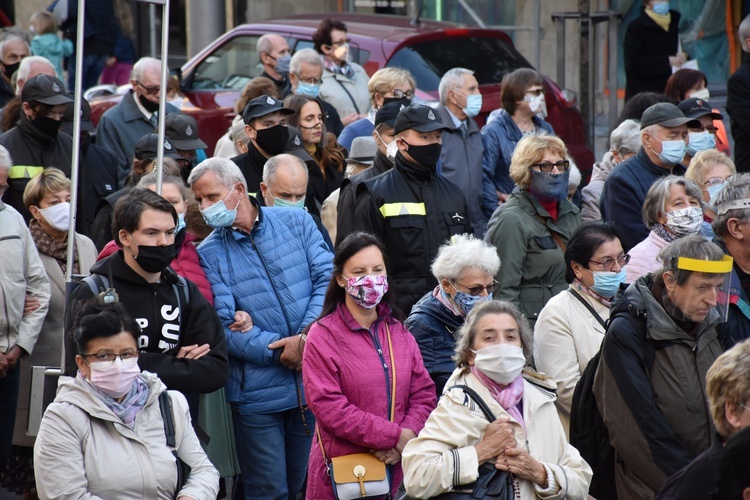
532, 266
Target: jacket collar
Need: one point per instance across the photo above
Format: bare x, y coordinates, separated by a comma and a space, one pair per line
129, 108
532, 206
381, 163
514, 133
383, 310
122, 272
414, 173
445, 115
258, 226
35, 133
653, 167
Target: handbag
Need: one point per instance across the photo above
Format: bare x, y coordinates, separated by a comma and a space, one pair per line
183, 469
362, 475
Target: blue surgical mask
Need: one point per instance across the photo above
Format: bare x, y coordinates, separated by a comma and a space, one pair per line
672, 152
700, 141
180, 223
218, 215
280, 202
282, 64
466, 302
548, 187
308, 89
661, 8
713, 191
607, 283
473, 105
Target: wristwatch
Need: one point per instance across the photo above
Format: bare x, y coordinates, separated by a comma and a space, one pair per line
303, 336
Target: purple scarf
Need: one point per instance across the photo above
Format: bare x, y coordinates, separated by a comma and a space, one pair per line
509, 396
134, 400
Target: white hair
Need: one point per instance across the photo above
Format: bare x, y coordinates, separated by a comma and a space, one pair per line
25, 67
462, 253
274, 162
743, 32
225, 170
574, 175
5, 160
237, 132
11, 38
626, 138
306, 56
142, 65
452, 79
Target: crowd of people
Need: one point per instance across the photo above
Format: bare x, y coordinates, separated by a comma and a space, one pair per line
361, 295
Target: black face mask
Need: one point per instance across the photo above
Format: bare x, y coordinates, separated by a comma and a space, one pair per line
153, 259
150, 106
48, 126
273, 140
85, 141
403, 100
9, 69
427, 156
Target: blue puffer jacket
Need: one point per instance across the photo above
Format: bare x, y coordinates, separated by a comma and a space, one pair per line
500, 137
278, 274
434, 327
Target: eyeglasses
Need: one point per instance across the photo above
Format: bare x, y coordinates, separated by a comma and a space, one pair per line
150, 90
745, 407
609, 263
341, 43
128, 357
534, 93
714, 181
547, 166
476, 290
311, 81
400, 94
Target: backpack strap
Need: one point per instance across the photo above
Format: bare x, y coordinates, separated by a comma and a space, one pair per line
97, 283
472, 394
639, 323
165, 406
182, 291
589, 307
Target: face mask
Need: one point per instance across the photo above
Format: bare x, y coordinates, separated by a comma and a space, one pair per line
218, 215
280, 202
607, 283
114, 380
466, 302
661, 8
700, 141
341, 52
473, 105
180, 223
537, 105
390, 151
282, 64
672, 152
701, 94
548, 187
403, 100
150, 106
273, 140
308, 89
502, 363
713, 191
685, 221
367, 291
48, 126
154, 259
57, 216
10, 69
426, 156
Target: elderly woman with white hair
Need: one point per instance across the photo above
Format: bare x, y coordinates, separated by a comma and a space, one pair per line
495, 419
465, 269
671, 210
624, 142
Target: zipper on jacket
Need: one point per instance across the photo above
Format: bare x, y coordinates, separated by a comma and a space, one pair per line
379, 349
273, 286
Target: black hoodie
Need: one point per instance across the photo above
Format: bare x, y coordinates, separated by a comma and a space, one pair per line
155, 308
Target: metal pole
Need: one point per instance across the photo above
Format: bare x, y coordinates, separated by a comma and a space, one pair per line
74, 160
538, 34
472, 14
560, 26
162, 95
152, 28
612, 69
591, 53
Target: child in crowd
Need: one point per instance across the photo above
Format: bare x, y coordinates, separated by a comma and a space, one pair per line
47, 43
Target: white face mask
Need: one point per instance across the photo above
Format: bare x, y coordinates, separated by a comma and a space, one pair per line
57, 216
502, 363
390, 151
537, 104
685, 222
701, 94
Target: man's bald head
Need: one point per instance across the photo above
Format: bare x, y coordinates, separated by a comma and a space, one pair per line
284, 177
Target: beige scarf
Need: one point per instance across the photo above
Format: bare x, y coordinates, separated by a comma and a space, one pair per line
662, 20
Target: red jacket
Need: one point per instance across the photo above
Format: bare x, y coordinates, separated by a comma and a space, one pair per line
186, 264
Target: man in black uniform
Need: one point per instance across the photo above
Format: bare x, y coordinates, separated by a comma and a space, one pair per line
411, 208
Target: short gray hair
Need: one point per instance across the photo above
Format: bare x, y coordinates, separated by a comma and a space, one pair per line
464, 252
691, 247
142, 65
468, 330
225, 170
265, 43
274, 162
744, 32
25, 67
452, 79
150, 180
237, 132
626, 138
5, 160
656, 199
306, 56
737, 188
11, 38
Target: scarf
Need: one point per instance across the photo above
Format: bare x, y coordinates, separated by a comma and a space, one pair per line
580, 287
662, 20
664, 233
128, 409
345, 69
509, 396
445, 299
47, 245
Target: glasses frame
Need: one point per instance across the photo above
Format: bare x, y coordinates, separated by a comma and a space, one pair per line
150, 90
131, 355
619, 260
309, 81
476, 290
341, 43
400, 94
562, 166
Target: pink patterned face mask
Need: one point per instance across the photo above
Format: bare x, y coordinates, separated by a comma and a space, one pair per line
367, 291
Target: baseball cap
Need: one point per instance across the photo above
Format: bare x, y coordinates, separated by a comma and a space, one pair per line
145, 148
45, 89
262, 106
388, 113
182, 131
695, 108
420, 118
363, 150
666, 114
67, 121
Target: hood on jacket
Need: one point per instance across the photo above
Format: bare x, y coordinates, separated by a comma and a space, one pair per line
434, 309
601, 169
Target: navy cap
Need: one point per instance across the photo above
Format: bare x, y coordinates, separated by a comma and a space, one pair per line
182, 131
420, 118
145, 148
667, 115
67, 120
262, 106
388, 113
45, 89
695, 108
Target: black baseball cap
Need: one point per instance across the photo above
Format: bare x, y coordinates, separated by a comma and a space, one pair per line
182, 131
388, 113
45, 89
420, 118
667, 115
695, 108
67, 120
262, 106
145, 148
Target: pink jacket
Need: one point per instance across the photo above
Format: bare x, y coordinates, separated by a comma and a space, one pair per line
643, 257
345, 387
186, 264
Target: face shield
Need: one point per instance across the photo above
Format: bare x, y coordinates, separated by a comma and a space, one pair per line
704, 296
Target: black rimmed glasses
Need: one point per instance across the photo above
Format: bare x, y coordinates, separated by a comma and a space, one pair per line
548, 166
609, 263
400, 94
128, 357
476, 290
150, 90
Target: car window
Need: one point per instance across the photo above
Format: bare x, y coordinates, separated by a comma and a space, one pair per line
230, 66
358, 55
489, 58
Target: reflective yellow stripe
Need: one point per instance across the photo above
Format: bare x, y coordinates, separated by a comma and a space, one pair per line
706, 266
24, 171
396, 209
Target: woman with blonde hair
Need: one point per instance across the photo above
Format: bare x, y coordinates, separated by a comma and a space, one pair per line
710, 170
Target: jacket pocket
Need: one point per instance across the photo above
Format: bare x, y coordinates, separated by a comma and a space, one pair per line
406, 234
543, 243
12, 250
456, 222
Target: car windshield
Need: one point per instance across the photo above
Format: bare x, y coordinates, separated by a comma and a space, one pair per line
490, 58
231, 66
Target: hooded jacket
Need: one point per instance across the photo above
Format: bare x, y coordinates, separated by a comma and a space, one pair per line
164, 328
644, 257
85, 451
53, 48
593, 191
413, 211
658, 418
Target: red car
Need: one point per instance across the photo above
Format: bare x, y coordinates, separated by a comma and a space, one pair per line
213, 79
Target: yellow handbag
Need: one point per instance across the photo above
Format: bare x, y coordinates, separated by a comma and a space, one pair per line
362, 475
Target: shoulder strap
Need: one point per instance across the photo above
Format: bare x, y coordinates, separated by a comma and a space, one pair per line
165, 405
649, 348
393, 377
354, 103
558, 240
472, 394
97, 283
589, 307
182, 291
